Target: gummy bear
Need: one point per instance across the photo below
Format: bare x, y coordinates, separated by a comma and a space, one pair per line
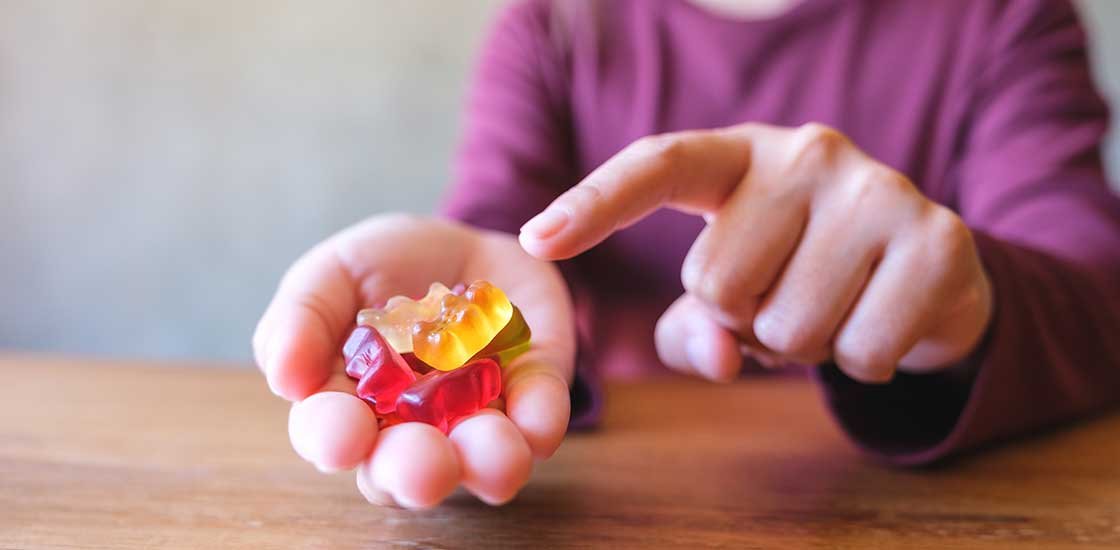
381, 372
464, 326
512, 341
440, 398
396, 319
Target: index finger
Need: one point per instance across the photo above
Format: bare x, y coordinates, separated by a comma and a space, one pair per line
690, 171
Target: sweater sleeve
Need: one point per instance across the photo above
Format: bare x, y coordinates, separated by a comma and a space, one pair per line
514, 155
1031, 186
515, 152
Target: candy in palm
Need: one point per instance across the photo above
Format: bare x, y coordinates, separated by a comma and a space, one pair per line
438, 358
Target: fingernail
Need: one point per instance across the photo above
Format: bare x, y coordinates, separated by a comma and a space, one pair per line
546, 224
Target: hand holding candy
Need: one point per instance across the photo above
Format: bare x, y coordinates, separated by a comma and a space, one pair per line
413, 464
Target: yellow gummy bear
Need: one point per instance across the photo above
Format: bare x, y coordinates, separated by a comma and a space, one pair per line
396, 320
464, 326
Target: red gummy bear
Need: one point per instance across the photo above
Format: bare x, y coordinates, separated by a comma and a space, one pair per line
439, 398
381, 372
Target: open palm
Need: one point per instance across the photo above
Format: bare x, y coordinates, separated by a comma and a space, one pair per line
298, 339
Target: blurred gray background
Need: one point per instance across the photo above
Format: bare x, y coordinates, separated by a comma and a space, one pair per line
162, 162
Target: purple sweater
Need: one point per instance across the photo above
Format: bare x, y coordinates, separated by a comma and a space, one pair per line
988, 106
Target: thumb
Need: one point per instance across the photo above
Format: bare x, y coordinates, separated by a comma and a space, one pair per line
689, 340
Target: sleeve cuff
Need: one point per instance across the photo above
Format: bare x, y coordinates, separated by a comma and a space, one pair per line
909, 421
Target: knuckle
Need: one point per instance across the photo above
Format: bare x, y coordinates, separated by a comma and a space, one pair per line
816, 131
973, 296
947, 237
719, 287
886, 180
862, 189
864, 358
785, 333
582, 196
875, 186
663, 149
891, 180
815, 146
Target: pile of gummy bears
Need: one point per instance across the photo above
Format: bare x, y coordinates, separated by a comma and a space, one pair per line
436, 359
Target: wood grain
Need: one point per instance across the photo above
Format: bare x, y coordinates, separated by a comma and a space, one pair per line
115, 455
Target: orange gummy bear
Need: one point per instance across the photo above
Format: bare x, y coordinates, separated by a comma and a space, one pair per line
465, 325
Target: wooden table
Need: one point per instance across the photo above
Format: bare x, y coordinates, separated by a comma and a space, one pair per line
114, 455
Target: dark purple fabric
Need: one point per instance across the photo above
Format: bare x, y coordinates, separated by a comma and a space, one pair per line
988, 106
